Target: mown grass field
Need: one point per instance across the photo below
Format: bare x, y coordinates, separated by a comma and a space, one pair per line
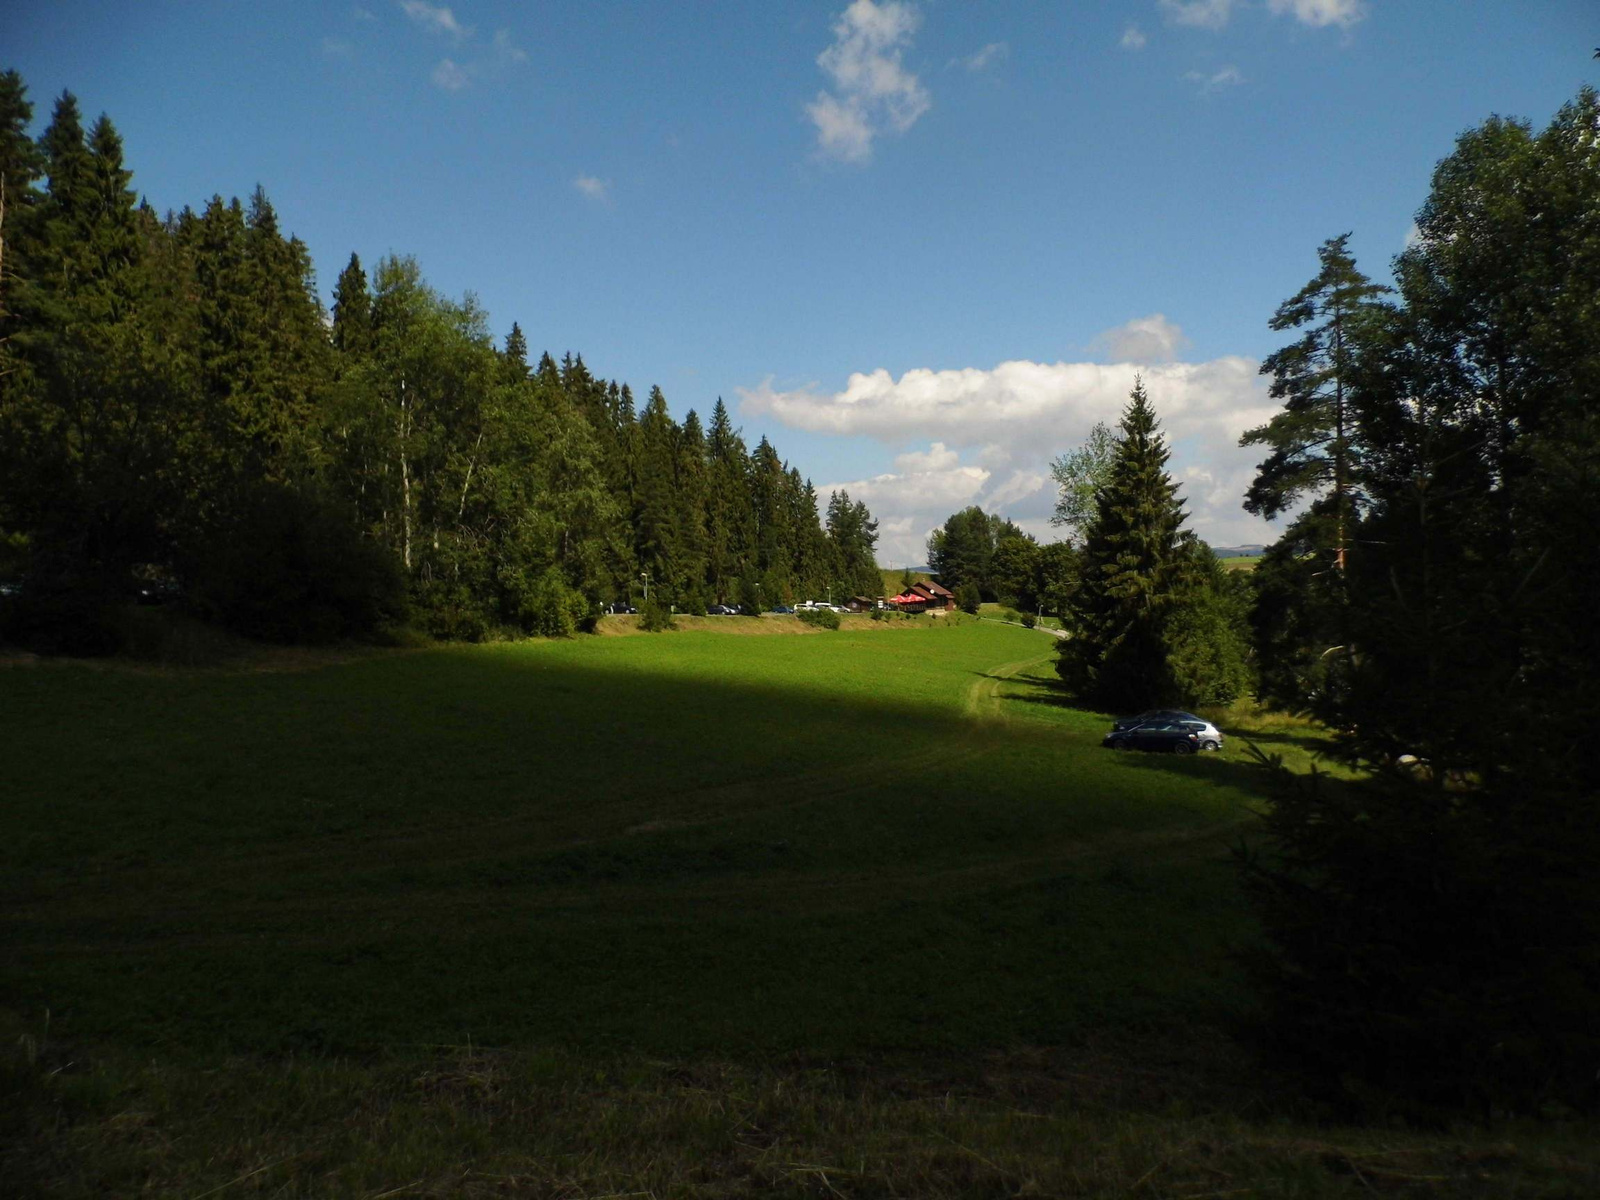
681, 914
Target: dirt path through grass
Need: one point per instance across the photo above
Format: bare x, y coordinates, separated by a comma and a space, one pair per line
983, 695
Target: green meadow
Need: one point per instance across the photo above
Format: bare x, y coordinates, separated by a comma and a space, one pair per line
680, 914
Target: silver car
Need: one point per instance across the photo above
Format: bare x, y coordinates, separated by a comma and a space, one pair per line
1210, 736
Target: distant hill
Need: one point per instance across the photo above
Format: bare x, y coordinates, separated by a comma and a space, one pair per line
893, 575
1251, 551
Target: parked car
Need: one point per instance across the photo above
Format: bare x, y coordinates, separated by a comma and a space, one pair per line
1210, 736
620, 607
1179, 737
722, 610
782, 608
156, 591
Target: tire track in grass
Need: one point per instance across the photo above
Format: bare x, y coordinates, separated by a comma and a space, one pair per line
983, 695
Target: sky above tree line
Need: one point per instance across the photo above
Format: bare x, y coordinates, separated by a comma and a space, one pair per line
924, 246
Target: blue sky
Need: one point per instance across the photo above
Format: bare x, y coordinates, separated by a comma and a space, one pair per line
923, 246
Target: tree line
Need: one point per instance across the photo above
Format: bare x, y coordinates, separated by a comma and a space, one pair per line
178, 410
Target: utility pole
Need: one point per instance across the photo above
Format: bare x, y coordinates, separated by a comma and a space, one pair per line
645, 575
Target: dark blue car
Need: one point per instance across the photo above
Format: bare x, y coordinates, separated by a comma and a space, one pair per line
1176, 737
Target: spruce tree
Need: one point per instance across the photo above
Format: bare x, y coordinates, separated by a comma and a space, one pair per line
352, 310
657, 538
1136, 558
515, 355
730, 514
689, 494
21, 164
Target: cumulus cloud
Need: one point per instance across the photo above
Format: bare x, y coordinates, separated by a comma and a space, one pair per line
1201, 14
435, 18
474, 60
1319, 14
507, 50
1227, 77
451, 75
990, 435
1133, 38
1151, 339
594, 187
872, 92
985, 58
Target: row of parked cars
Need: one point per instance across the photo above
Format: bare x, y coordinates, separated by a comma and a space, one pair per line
1169, 729
730, 610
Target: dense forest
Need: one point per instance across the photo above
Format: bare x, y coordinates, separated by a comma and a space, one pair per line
179, 413
1435, 931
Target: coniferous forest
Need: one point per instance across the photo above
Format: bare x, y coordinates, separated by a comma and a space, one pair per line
179, 412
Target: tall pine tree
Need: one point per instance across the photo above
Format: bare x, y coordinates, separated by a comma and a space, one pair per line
1136, 559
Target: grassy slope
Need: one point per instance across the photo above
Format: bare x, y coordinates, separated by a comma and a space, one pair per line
782, 843
692, 857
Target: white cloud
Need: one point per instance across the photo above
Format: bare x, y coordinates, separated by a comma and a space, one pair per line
594, 188
842, 129
451, 75
1151, 339
1227, 77
1202, 14
507, 50
1019, 486
435, 18
873, 93
476, 61
1133, 38
1319, 14
990, 435
987, 57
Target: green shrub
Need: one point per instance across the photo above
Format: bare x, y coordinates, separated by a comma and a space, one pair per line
969, 598
287, 564
822, 618
552, 608
1029, 620
655, 617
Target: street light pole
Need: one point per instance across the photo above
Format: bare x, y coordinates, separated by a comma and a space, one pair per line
645, 575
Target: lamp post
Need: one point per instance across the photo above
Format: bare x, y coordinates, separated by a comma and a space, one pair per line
645, 575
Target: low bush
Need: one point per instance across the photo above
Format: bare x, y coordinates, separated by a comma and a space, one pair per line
655, 617
822, 618
552, 608
1029, 620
